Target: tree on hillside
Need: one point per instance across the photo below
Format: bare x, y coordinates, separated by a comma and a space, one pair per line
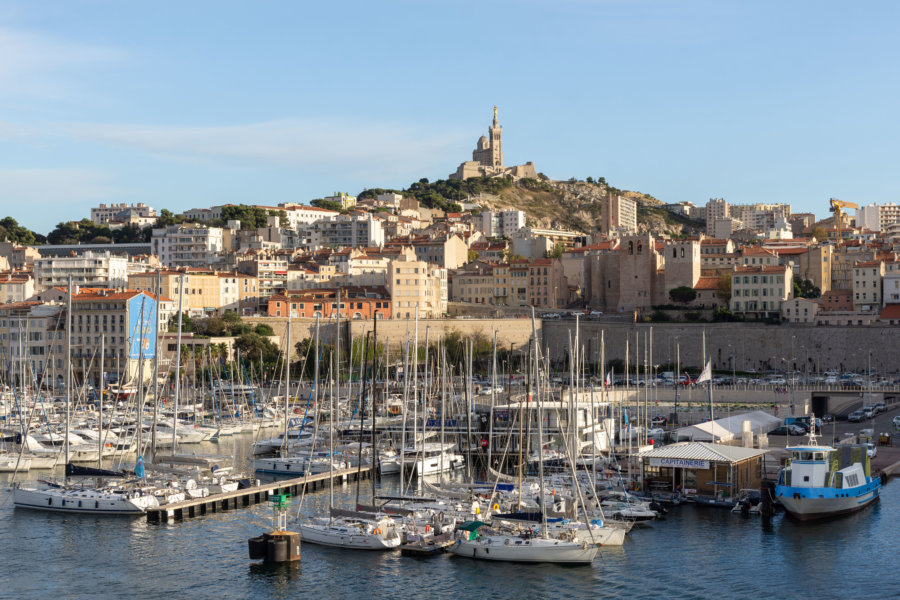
326, 204
818, 233
683, 294
10, 230
556, 251
723, 288
166, 218
804, 288
472, 256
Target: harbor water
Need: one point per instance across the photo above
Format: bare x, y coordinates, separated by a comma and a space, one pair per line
694, 552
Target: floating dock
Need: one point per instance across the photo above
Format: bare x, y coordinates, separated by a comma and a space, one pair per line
249, 496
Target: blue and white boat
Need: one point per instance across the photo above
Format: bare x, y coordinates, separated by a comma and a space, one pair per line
815, 485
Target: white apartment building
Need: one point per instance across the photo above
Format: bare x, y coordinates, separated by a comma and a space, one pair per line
109, 212
16, 286
300, 214
91, 269
187, 245
760, 290
498, 223
877, 217
345, 231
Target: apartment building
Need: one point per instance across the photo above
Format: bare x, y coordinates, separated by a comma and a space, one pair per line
416, 283
474, 283
187, 245
301, 214
800, 310
867, 280
716, 209
760, 290
127, 322
355, 303
205, 292
450, 252
499, 223
100, 269
344, 231
270, 270
618, 214
877, 217
32, 342
106, 213
16, 286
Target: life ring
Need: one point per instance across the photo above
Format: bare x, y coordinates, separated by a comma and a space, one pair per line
376, 531
495, 506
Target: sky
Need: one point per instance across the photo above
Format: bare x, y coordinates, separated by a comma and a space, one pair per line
191, 104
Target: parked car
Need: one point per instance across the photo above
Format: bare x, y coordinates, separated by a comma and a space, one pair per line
879, 407
659, 421
856, 416
896, 421
871, 450
788, 430
828, 418
868, 411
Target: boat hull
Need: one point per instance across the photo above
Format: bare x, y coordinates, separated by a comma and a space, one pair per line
806, 504
82, 502
346, 537
526, 551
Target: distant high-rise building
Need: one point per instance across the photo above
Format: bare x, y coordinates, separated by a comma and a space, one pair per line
877, 217
716, 209
618, 214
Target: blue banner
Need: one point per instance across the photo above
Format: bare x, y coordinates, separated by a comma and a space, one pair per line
141, 324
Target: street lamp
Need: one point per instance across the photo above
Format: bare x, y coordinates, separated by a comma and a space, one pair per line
733, 377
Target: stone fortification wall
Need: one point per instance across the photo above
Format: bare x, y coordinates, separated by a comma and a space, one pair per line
755, 346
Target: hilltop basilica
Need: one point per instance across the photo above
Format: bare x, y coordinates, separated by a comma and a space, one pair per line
487, 158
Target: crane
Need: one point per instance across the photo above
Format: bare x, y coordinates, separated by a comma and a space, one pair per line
837, 207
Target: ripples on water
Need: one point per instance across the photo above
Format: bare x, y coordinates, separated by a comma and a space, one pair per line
693, 553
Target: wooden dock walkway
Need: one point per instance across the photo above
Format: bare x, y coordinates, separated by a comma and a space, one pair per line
249, 496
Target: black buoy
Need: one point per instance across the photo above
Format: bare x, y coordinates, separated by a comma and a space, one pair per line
278, 545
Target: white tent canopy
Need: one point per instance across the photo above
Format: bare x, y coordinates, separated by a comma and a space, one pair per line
730, 427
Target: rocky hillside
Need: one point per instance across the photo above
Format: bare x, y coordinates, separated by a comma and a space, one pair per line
576, 205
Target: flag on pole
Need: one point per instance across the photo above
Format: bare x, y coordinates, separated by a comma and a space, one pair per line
608, 381
706, 375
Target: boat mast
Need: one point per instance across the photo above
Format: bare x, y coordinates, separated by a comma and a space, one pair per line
491, 412
155, 372
405, 399
100, 409
540, 428
140, 370
287, 382
177, 364
68, 367
374, 456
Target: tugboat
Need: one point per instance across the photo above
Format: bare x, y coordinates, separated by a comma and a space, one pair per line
820, 481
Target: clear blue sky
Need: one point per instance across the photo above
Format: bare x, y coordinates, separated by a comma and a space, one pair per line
186, 104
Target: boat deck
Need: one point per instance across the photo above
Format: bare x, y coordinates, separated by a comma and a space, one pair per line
429, 547
249, 496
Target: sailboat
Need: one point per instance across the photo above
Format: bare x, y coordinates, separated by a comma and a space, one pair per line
350, 529
107, 500
528, 547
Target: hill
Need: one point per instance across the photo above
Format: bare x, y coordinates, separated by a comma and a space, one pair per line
572, 204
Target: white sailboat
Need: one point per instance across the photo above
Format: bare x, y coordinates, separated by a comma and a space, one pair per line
111, 500
526, 547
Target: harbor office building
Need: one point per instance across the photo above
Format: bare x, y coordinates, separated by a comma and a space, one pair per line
701, 468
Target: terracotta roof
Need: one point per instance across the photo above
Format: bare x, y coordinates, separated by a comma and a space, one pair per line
891, 311
707, 283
